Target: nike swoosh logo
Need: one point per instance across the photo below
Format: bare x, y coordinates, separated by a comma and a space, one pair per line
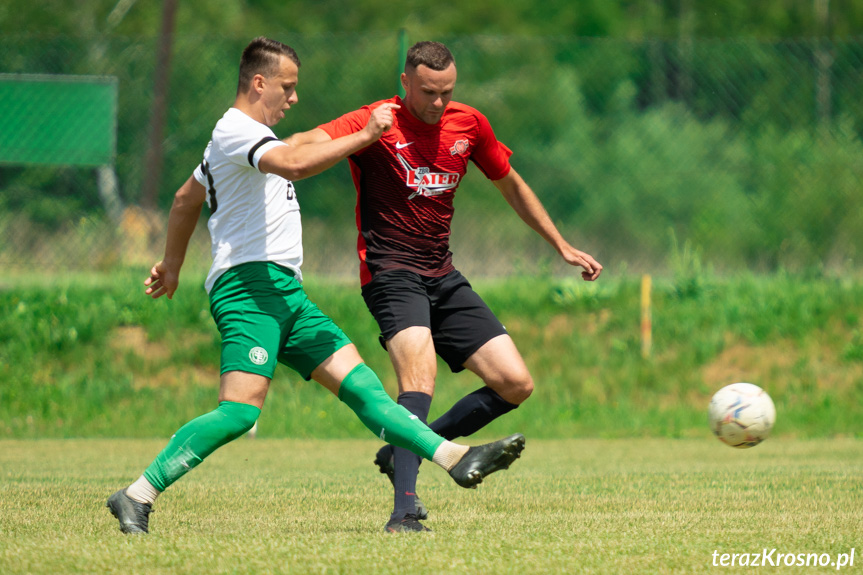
399, 145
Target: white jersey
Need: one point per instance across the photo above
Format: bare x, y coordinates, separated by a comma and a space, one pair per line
255, 216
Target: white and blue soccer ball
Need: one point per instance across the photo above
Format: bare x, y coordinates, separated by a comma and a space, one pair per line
741, 415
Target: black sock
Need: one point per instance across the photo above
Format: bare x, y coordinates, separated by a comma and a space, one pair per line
471, 413
407, 464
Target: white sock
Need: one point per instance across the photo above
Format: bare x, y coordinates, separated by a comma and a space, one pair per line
448, 454
142, 491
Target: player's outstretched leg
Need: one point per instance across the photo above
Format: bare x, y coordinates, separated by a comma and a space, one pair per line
186, 450
470, 414
483, 460
363, 392
476, 464
134, 517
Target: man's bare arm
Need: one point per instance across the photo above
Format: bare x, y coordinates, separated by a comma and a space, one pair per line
185, 211
314, 136
312, 152
528, 207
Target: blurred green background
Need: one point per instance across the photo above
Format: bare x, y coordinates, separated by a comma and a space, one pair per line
733, 127
714, 145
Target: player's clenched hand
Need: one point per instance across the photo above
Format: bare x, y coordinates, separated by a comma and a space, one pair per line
381, 120
162, 281
574, 257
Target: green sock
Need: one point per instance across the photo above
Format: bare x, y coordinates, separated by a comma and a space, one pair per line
198, 439
363, 392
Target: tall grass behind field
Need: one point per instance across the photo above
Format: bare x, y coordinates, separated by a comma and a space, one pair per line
93, 356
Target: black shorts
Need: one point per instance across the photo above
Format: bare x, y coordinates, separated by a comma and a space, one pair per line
460, 322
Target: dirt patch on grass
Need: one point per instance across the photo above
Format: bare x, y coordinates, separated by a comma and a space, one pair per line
744, 363
564, 325
134, 338
159, 370
181, 378
781, 366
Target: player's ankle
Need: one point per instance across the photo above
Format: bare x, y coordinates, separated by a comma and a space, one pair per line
448, 454
142, 491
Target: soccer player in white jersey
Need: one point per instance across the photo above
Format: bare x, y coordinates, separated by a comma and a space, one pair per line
256, 295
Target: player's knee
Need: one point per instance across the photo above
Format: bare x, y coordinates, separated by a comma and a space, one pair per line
514, 388
240, 416
247, 421
522, 389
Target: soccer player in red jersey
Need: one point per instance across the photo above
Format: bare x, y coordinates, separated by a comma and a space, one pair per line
405, 186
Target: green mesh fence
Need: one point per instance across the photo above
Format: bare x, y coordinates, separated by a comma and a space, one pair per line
747, 153
66, 120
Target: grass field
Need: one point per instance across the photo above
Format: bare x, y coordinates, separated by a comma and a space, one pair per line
568, 506
644, 489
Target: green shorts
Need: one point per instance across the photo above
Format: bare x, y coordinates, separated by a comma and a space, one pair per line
264, 316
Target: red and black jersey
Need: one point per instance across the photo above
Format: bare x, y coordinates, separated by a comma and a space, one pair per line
406, 182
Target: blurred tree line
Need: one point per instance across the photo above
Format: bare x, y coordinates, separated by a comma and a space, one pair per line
733, 127
626, 19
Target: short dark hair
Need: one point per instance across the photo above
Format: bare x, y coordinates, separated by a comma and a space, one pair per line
431, 54
261, 56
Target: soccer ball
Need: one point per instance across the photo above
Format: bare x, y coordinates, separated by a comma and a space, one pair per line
741, 415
